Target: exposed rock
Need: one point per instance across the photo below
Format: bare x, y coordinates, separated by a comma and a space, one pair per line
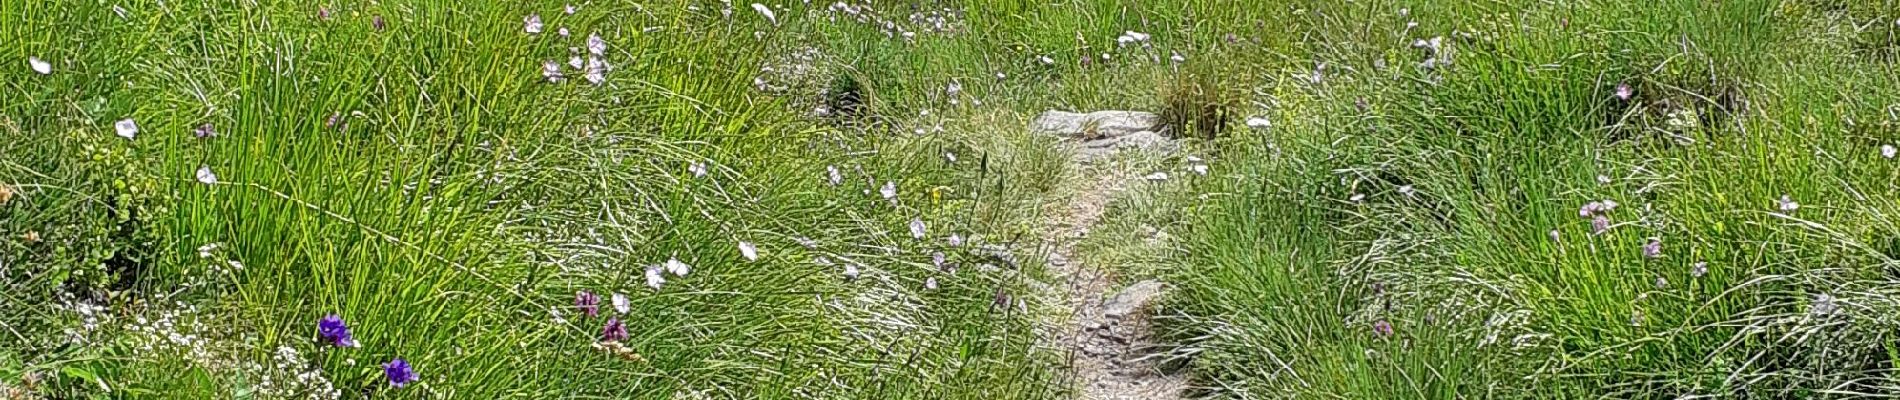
1096, 125
1131, 299
1143, 140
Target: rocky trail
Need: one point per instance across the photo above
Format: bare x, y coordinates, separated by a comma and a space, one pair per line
1107, 333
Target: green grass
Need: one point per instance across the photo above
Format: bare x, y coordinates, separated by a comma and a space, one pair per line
1283, 274
459, 197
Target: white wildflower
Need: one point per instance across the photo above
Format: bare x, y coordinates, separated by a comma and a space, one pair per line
126, 128
205, 176
596, 70
917, 228
1887, 150
835, 176
851, 271
654, 277
930, 283
621, 304
552, 71
677, 268
596, 45
889, 191
532, 23
40, 66
746, 249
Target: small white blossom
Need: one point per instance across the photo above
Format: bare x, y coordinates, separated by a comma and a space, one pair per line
654, 277
621, 304
834, 176
698, 169
532, 23
930, 283
917, 228
1887, 150
851, 271
552, 71
746, 249
674, 266
1787, 204
596, 45
126, 128
40, 66
205, 176
889, 191
596, 70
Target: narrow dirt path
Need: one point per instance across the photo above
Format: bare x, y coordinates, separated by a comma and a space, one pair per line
1107, 334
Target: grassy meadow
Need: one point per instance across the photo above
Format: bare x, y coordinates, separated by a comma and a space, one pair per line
698, 199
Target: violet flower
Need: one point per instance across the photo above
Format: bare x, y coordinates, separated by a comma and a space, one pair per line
333, 330
399, 372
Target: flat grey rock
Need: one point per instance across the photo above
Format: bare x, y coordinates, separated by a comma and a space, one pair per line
1131, 299
1142, 140
1096, 125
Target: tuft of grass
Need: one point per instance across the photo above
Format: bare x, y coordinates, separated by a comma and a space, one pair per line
1199, 105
